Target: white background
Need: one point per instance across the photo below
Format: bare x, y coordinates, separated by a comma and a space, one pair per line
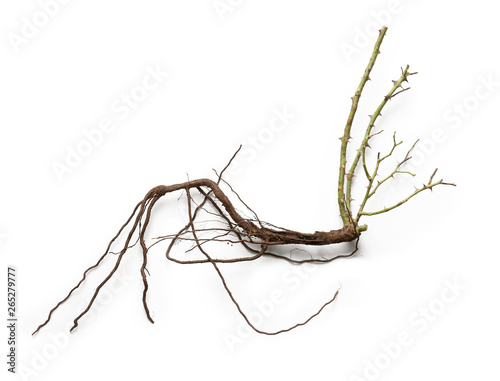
228, 69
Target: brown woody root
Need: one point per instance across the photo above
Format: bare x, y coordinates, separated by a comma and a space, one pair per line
251, 233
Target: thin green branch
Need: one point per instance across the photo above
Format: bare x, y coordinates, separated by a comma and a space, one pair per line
344, 211
429, 185
396, 170
368, 134
365, 167
371, 178
368, 187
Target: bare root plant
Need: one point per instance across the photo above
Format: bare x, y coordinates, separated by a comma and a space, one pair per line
258, 237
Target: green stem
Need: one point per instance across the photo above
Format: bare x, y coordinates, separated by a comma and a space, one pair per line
344, 209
